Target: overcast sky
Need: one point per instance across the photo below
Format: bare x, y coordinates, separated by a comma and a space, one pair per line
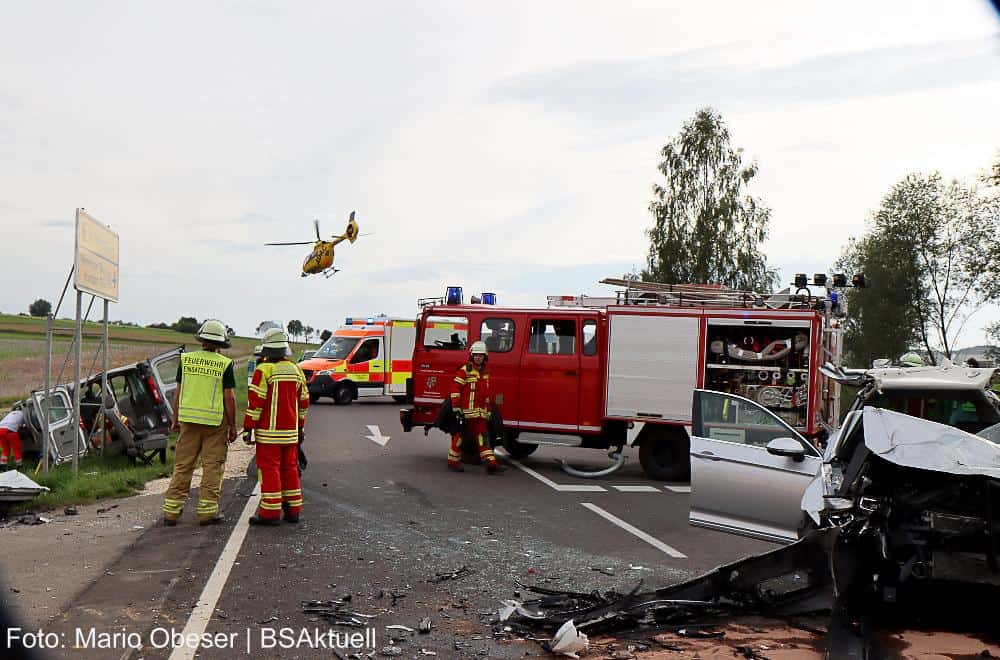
507, 147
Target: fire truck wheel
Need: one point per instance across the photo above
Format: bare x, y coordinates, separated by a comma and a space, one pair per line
313, 398
344, 394
665, 455
517, 449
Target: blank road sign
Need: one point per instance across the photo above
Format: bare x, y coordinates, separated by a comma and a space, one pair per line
96, 257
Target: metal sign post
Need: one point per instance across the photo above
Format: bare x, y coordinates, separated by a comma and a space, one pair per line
45, 397
96, 273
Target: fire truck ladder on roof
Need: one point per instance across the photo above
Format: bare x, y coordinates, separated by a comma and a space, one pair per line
692, 295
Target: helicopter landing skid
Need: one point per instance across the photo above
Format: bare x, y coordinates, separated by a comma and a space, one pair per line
330, 272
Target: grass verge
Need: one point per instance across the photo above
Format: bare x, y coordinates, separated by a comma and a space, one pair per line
98, 479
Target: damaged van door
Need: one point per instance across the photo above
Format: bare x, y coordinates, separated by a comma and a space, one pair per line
64, 439
749, 468
164, 368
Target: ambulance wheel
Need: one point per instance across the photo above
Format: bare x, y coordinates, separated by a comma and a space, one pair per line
664, 453
344, 394
399, 398
313, 398
517, 449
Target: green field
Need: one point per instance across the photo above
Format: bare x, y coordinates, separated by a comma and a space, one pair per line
22, 350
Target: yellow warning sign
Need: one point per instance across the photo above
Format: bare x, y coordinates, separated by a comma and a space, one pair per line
96, 269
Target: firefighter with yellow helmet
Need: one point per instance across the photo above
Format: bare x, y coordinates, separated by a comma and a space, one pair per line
205, 415
471, 401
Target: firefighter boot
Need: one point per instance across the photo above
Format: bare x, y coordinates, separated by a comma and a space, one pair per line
489, 459
266, 522
455, 454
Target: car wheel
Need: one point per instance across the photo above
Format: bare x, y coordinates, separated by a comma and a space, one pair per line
344, 394
664, 453
313, 398
517, 449
399, 398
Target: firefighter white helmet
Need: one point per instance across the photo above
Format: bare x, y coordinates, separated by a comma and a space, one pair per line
478, 348
276, 339
214, 331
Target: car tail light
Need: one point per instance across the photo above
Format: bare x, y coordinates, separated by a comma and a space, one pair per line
154, 389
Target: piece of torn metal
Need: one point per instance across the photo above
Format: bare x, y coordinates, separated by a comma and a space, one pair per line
452, 575
18, 487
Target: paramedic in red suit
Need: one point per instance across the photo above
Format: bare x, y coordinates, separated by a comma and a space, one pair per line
277, 400
471, 399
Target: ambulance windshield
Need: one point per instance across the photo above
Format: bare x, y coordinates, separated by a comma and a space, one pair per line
337, 348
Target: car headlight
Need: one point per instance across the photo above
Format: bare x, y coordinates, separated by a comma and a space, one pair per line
324, 372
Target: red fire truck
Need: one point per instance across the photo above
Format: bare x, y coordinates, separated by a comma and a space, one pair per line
609, 372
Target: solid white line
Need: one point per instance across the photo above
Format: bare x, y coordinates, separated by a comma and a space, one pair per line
202, 613
678, 489
637, 489
562, 488
656, 543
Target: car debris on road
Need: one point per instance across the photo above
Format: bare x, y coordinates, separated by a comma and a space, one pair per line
904, 514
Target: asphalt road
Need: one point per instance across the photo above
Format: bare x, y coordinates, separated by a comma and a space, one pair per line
385, 520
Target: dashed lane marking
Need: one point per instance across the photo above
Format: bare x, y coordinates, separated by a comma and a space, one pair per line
678, 489
202, 613
635, 531
637, 489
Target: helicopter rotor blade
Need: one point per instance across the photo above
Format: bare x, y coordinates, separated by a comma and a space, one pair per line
299, 243
316, 227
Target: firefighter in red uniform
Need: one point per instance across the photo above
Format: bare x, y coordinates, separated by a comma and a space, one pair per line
276, 413
471, 399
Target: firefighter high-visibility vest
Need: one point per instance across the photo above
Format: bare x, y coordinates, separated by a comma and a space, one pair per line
201, 400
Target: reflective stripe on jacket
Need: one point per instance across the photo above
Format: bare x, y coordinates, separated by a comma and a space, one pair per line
277, 400
472, 392
200, 400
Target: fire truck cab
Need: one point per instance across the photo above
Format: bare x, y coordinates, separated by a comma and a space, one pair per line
365, 357
594, 373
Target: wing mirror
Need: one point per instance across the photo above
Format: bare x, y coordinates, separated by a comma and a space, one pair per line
838, 375
787, 447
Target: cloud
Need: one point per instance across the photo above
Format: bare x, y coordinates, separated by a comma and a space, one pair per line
631, 89
60, 224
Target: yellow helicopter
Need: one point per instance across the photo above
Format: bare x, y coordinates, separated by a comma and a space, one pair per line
320, 260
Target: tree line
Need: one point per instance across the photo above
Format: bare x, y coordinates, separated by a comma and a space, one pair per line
930, 251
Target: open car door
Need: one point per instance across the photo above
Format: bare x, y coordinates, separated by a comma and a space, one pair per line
749, 468
63, 438
165, 372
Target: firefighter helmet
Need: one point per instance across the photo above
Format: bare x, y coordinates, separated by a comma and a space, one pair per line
215, 332
478, 348
911, 360
275, 339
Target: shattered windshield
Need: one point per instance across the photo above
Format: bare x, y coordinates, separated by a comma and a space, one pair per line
968, 410
337, 348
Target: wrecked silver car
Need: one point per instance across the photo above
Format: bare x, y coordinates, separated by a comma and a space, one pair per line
898, 516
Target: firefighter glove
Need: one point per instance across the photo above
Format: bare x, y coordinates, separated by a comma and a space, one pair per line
248, 437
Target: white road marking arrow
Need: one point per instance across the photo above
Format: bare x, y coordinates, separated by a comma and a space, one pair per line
376, 435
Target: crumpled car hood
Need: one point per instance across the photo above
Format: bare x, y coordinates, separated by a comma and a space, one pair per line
918, 443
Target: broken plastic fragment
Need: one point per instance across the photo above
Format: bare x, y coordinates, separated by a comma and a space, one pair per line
568, 641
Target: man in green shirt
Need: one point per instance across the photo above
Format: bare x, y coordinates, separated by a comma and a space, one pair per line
205, 415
